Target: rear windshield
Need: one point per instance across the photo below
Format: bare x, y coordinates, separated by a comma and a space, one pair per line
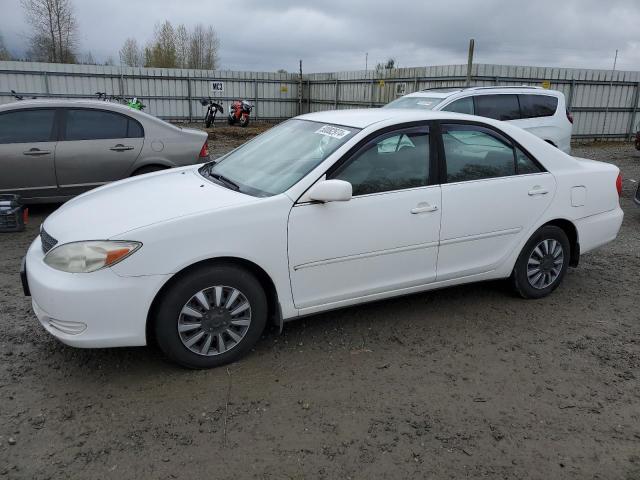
424, 103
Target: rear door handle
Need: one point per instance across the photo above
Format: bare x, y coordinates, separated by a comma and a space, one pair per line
537, 190
35, 152
120, 148
424, 208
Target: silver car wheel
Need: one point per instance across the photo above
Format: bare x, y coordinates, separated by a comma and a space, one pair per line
214, 320
545, 264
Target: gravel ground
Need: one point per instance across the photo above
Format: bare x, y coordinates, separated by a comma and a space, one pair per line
465, 382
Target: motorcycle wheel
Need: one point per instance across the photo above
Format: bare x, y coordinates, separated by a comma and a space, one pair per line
230, 120
208, 121
244, 121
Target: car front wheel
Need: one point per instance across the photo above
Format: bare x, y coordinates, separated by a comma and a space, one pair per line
542, 264
211, 317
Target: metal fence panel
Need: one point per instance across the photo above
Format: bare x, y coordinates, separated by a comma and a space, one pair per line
605, 104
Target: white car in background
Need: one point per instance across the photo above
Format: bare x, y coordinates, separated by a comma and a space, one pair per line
322, 211
541, 112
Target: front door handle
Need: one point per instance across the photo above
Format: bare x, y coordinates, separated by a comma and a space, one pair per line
538, 190
424, 208
120, 148
35, 152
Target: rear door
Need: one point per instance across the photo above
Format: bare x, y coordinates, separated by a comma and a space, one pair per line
492, 195
96, 147
27, 152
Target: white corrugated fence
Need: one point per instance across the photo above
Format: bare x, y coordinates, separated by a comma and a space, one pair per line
173, 94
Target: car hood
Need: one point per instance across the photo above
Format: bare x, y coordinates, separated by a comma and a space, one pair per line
137, 202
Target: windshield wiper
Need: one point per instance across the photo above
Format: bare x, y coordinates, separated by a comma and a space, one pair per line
225, 181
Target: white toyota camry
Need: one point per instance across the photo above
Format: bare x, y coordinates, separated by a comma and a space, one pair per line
322, 211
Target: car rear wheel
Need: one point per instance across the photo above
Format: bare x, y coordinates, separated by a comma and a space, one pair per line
542, 264
211, 317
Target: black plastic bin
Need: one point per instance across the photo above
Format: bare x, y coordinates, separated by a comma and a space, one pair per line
13, 214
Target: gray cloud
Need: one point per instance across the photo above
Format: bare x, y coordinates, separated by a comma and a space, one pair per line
334, 35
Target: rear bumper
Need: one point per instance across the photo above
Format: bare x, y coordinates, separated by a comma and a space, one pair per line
597, 230
89, 310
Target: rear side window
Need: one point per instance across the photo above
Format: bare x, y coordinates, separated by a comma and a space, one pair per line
532, 106
26, 126
498, 107
134, 129
474, 153
100, 125
524, 163
463, 105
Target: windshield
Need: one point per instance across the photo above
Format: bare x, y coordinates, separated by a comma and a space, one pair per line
273, 162
426, 103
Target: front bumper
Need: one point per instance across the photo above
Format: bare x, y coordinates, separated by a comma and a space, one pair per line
90, 310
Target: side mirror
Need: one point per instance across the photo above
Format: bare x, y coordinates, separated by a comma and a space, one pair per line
331, 191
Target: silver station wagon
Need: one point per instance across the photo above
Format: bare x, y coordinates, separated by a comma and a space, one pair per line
53, 150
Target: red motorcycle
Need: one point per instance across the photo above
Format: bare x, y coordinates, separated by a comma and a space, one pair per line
239, 113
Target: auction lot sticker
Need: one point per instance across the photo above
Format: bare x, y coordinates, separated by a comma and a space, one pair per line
334, 132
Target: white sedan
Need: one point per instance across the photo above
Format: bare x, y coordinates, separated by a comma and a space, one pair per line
322, 211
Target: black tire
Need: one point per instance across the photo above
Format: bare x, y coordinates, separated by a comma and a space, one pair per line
522, 282
244, 121
230, 121
179, 294
208, 121
148, 169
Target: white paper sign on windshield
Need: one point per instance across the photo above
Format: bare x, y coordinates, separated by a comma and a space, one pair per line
334, 132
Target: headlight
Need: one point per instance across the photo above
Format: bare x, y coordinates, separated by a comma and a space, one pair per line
85, 257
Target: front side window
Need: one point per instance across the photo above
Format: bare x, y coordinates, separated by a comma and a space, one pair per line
533, 106
395, 161
273, 162
498, 107
474, 153
99, 125
26, 126
418, 103
463, 105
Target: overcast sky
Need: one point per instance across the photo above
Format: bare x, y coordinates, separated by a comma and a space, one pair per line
330, 35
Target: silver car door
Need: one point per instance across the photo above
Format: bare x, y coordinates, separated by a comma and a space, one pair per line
96, 147
27, 151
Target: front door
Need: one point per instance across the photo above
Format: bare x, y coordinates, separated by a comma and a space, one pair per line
97, 146
385, 238
493, 195
27, 152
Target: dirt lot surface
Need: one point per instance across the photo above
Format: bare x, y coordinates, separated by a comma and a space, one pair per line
465, 382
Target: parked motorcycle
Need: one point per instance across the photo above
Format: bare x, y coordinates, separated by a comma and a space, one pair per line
212, 109
135, 103
19, 97
129, 102
239, 113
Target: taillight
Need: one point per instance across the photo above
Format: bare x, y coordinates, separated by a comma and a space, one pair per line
619, 184
569, 116
25, 216
204, 151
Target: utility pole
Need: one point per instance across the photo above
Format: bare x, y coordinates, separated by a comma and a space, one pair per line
606, 110
300, 87
366, 62
470, 61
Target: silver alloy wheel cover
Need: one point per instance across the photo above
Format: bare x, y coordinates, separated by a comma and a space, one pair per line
545, 263
214, 320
